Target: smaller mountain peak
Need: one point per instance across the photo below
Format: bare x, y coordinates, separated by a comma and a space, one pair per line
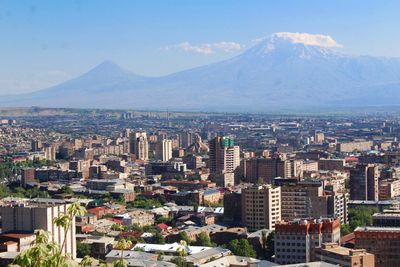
107, 64
109, 69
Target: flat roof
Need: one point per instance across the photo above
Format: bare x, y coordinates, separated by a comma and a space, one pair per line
377, 229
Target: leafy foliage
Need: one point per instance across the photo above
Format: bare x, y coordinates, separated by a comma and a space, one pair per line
241, 247
82, 249
144, 203
158, 238
203, 240
179, 261
184, 237
360, 217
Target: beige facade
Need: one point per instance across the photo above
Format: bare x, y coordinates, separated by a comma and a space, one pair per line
261, 207
164, 150
354, 146
335, 254
139, 145
389, 188
28, 217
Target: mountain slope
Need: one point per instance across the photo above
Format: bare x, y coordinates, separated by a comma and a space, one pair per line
284, 71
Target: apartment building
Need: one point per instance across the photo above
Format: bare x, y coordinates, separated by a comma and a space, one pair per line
296, 241
261, 207
28, 216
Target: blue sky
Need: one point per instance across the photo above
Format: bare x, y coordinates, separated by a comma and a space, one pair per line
45, 42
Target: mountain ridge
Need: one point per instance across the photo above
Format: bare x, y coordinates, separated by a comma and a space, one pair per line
284, 70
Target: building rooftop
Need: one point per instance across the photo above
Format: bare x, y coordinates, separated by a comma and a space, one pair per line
377, 229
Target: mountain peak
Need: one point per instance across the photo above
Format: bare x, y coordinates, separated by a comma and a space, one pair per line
299, 45
110, 69
307, 39
107, 66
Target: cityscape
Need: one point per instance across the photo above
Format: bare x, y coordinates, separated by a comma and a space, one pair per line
280, 150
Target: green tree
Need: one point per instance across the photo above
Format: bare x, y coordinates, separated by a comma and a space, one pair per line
360, 217
82, 249
42, 253
65, 221
4, 191
164, 219
203, 240
87, 261
180, 261
123, 244
182, 249
184, 236
66, 190
345, 229
241, 247
270, 246
158, 238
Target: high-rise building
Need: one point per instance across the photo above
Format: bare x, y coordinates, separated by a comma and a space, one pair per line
139, 145
29, 216
302, 199
164, 150
224, 156
36, 145
233, 208
364, 182
338, 206
319, 137
296, 241
27, 176
269, 168
261, 207
50, 152
193, 161
187, 138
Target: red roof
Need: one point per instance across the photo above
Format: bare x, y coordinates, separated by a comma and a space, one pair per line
350, 238
351, 159
96, 210
87, 229
162, 226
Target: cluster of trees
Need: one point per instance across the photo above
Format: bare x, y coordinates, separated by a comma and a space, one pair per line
6, 191
144, 203
157, 238
8, 168
358, 217
241, 247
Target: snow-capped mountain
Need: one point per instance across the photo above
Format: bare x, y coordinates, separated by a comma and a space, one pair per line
285, 70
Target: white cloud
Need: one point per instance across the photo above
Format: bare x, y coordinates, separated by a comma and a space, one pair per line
207, 48
308, 39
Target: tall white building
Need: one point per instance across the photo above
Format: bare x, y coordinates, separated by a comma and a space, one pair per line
139, 145
164, 150
29, 216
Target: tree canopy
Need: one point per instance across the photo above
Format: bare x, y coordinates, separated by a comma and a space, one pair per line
241, 247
